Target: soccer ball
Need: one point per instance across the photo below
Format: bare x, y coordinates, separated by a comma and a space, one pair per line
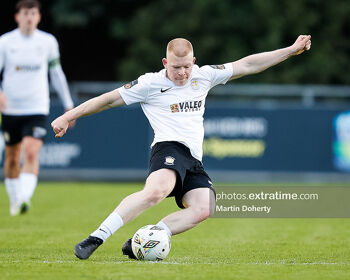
151, 243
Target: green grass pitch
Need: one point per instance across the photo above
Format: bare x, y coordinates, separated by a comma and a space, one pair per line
39, 245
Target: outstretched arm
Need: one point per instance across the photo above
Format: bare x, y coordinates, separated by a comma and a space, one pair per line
259, 62
92, 106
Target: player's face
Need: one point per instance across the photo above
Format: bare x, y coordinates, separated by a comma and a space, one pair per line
28, 19
178, 69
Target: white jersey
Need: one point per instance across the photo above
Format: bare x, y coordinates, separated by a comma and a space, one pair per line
176, 112
25, 60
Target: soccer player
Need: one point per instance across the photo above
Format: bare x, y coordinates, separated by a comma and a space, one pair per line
173, 100
26, 56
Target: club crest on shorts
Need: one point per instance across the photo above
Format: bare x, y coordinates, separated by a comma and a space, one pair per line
169, 160
7, 136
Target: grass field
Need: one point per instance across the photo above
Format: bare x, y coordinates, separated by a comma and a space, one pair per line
40, 244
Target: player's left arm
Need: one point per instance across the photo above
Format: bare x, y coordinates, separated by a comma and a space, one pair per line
57, 76
59, 82
259, 62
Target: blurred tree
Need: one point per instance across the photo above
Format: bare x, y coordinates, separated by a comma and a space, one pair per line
225, 30
121, 39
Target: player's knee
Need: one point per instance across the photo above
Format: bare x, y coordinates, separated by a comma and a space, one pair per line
202, 212
31, 155
154, 195
12, 161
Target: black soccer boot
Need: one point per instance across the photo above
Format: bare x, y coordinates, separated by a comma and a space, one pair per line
127, 250
85, 248
24, 207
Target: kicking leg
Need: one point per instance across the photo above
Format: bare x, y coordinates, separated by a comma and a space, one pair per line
200, 205
159, 185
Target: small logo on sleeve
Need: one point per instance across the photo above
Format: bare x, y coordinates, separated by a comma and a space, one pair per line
130, 85
220, 66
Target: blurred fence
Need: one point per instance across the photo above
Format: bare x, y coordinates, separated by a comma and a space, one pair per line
252, 133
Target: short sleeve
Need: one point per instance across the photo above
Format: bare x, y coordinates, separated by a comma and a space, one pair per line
136, 91
54, 53
218, 74
2, 53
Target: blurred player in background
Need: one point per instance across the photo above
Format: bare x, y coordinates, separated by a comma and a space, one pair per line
173, 100
26, 56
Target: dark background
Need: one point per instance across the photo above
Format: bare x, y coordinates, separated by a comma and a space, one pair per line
121, 39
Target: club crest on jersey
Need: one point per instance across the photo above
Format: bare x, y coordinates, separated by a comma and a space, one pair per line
220, 66
187, 106
130, 85
194, 84
169, 160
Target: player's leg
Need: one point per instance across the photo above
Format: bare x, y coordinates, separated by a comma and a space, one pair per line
159, 185
34, 132
12, 160
30, 169
12, 131
200, 205
12, 182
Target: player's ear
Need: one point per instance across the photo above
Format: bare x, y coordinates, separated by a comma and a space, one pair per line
164, 60
194, 60
16, 17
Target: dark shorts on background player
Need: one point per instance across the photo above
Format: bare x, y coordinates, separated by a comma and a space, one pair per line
14, 128
189, 171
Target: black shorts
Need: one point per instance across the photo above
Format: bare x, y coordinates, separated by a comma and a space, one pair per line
16, 127
189, 171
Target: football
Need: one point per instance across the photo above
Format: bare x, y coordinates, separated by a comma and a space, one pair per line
151, 243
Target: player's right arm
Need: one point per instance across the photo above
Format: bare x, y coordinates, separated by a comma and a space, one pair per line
94, 105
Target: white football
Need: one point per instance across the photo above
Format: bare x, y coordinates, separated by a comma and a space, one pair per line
151, 243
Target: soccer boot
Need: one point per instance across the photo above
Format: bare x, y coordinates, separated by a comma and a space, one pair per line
127, 250
85, 248
24, 207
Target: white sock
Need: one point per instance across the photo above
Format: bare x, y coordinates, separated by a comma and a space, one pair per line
28, 185
108, 226
13, 189
164, 226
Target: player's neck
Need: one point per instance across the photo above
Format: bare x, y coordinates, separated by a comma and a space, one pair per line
26, 31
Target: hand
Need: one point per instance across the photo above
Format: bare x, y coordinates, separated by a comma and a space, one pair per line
60, 126
303, 43
3, 100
